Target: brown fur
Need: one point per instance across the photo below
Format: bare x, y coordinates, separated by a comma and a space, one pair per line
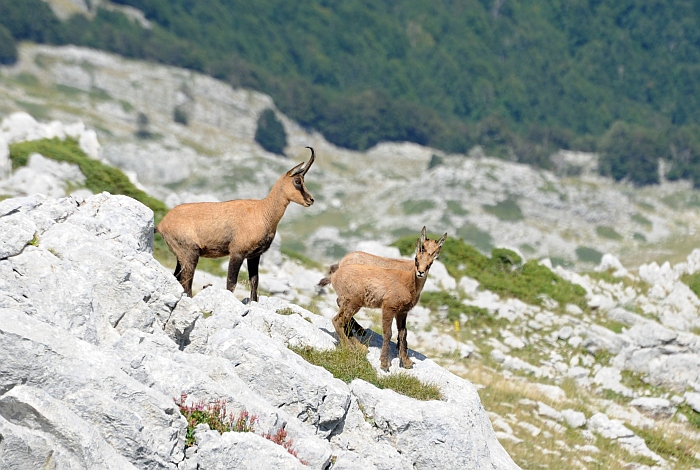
241, 229
362, 257
395, 291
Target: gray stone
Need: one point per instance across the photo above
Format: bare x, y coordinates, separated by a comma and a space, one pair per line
47, 429
432, 434
654, 406
241, 450
651, 334
310, 394
693, 400
575, 419
92, 385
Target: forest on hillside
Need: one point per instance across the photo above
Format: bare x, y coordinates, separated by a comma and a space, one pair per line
522, 79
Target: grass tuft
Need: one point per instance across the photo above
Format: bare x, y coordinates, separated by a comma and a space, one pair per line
350, 364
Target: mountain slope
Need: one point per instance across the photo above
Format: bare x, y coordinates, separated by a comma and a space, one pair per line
521, 79
381, 194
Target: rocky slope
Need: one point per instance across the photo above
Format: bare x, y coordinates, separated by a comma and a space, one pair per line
379, 194
98, 340
611, 385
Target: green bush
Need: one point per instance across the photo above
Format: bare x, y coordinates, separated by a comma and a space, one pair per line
270, 133
8, 48
98, 176
504, 273
632, 152
507, 210
588, 255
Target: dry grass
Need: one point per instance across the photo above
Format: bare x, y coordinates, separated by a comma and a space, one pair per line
561, 447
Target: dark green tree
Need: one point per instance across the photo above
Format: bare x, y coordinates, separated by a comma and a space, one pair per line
8, 48
270, 133
630, 152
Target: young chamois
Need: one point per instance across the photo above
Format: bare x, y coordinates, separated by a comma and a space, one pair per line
242, 229
395, 291
360, 257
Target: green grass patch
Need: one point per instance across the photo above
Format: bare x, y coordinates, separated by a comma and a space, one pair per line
692, 281
480, 239
506, 210
681, 451
350, 364
456, 208
98, 176
504, 273
641, 220
692, 415
285, 311
39, 111
588, 255
608, 232
614, 326
417, 207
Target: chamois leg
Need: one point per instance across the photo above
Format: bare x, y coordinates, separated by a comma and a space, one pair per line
234, 266
387, 319
341, 322
253, 276
403, 347
353, 327
186, 272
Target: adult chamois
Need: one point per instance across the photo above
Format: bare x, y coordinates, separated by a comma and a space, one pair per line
243, 229
395, 291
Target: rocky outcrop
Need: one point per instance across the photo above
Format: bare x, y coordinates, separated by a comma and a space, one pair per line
97, 341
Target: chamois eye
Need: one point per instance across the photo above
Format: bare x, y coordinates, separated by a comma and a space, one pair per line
297, 181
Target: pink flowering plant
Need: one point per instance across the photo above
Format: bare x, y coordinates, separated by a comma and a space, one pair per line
220, 419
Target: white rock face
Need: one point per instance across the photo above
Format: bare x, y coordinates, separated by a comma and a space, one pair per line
98, 341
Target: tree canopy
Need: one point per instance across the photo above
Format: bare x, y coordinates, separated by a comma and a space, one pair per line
520, 78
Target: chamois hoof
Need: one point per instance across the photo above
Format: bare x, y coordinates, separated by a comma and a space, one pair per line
407, 364
384, 365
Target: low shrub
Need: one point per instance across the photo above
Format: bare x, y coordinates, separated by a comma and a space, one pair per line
98, 176
504, 273
218, 418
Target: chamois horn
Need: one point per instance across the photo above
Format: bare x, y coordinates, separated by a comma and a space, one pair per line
302, 169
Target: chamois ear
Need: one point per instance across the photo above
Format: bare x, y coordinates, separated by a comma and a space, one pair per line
422, 235
296, 170
440, 242
419, 246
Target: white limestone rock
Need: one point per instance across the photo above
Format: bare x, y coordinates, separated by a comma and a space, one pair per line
92, 385
78, 444
610, 262
432, 434
614, 429
654, 406
575, 419
693, 400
